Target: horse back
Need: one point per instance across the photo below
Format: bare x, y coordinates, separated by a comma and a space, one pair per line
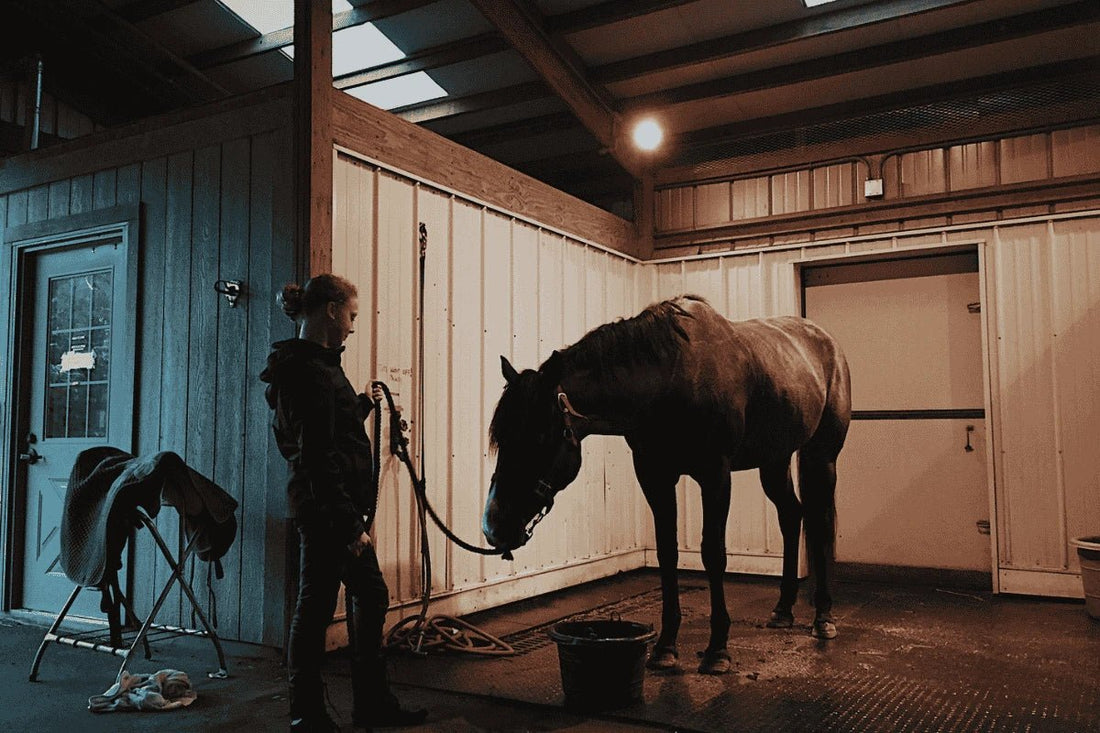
777, 383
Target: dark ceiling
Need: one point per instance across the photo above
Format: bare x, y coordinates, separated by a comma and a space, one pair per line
551, 87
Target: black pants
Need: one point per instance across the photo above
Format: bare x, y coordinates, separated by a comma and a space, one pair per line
325, 562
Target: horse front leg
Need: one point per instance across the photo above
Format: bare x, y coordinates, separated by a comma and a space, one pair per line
778, 487
716, 505
661, 496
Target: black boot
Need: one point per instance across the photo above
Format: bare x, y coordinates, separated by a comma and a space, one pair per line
319, 723
375, 705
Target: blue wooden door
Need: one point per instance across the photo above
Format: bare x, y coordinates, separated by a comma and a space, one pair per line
79, 394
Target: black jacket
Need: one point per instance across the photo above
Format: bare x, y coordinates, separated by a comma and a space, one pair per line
318, 426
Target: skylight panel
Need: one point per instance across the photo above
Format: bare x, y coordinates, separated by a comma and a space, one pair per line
815, 3
400, 91
359, 47
353, 49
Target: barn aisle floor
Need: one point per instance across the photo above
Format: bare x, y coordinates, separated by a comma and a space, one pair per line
907, 658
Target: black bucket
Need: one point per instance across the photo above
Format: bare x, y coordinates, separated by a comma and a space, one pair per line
602, 662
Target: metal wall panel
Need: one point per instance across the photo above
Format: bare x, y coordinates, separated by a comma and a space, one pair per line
1076, 151
1024, 158
494, 285
972, 165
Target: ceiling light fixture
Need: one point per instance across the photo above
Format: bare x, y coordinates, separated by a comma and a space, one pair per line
648, 134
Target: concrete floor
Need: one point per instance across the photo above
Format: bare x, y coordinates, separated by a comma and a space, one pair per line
906, 659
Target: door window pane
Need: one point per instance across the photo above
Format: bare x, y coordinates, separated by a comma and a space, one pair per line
78, 355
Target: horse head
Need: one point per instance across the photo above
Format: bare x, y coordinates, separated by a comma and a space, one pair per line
538, 452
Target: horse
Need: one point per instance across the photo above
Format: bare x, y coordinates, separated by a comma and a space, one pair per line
693, 394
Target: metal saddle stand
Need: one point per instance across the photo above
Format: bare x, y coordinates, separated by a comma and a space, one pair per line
112, 641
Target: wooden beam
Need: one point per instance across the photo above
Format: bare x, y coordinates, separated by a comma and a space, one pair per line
523, 28
275, 40
429, 58
606, 13
762, 38
313, 133
955, 39
419, 152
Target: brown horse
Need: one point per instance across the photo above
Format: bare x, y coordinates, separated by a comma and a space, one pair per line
693, 394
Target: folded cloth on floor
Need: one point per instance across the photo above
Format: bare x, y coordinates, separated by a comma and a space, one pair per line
167, 689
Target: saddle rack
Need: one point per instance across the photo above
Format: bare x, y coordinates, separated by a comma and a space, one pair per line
123, 639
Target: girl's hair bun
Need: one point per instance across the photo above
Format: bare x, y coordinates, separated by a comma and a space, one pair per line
291, 300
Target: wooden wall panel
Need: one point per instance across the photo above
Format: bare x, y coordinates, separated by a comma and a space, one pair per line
215, 211
751, 198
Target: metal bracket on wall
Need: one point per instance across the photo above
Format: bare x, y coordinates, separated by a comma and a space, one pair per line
231, 289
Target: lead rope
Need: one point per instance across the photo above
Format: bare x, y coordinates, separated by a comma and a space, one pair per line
419, 632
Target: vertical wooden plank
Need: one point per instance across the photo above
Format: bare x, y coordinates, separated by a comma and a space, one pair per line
38, 203
972, 165
573, 327
103, 188
17, 208
525, 338
128, 184
466, 384
1024, 158
58, 203
712, 205
441, 477
704, 277
496, 293
81, 194
176, 341
923, 172
150, 353
231, 362
1075, 151
595, 449
549, 285
395, 333
253, 514
280, 566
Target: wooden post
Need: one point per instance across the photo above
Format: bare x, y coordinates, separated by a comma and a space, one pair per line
313, 133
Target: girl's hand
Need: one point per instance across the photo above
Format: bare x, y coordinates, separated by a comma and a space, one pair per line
362, 543
376, 393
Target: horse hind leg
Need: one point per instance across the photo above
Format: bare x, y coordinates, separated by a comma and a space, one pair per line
778, 487
817, 480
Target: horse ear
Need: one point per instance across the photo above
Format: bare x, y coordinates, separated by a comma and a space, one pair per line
551, 370
507, 370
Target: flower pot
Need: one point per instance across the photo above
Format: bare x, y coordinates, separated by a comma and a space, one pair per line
1088, 552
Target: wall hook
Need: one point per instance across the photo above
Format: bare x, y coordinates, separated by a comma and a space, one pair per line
231, 289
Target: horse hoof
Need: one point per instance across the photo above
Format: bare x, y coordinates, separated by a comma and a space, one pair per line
662, 660
715, 662
780, 620
824, 629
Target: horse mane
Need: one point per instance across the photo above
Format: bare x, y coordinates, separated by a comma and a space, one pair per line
654, 336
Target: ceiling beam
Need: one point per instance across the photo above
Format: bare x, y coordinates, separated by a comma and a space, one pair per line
430, 58
606, 13
522, 26
762, 38
139, 10
376, 10
956, 39
454, 106
893, 102
516, 130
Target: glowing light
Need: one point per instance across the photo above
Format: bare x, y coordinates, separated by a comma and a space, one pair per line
648, 134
